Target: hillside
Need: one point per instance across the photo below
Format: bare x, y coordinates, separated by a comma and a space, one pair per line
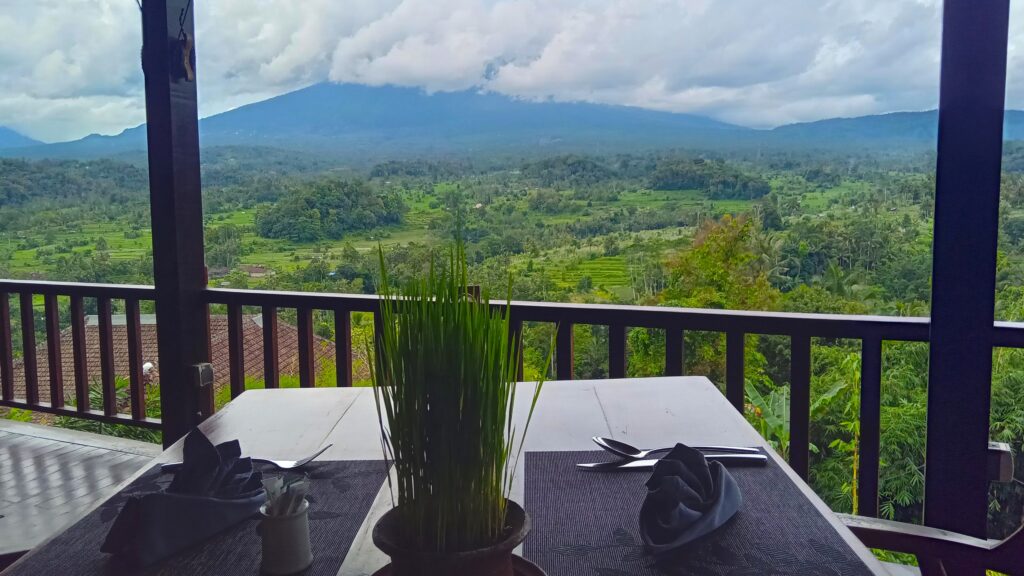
913, 127
362, 122
11, 139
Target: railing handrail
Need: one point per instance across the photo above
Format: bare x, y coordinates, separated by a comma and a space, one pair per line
854, 326
83, 289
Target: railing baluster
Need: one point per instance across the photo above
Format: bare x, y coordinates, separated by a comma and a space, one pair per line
378, 332
53, 351
137, 388
343, 347
516, 328
735, 377
870, 425
617, 351
6, 349
564, 351
107, 376
307, 358
236, 350
78, 349
673, 352
270, 372
208, 356
28, 348
799, 403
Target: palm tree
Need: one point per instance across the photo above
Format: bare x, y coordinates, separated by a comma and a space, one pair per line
767, 246
836, 280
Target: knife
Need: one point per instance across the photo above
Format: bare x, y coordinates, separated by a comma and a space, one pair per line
648, 464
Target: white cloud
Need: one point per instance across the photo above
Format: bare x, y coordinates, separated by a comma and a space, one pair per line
70, 67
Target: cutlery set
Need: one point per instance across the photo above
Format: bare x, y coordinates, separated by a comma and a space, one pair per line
633, 458
630, 457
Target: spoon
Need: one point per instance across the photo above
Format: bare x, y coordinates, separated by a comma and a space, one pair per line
624, 450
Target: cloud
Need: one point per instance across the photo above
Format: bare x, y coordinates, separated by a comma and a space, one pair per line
75, 68
69, 67
445, 44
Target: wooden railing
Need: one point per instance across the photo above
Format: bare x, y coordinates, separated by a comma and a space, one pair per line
736, 325
871, 331
23, 390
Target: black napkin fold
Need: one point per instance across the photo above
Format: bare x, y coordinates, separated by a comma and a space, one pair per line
214, 489
687, 497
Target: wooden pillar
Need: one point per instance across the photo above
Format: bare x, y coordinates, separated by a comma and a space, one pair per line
971, 100
176, 205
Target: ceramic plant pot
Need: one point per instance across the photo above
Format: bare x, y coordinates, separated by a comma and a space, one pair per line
494, 560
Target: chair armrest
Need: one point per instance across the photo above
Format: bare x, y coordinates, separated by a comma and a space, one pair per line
914, 539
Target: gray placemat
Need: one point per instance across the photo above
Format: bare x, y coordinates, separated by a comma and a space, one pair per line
586, 523
342, 492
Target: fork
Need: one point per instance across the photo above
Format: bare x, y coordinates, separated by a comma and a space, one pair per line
279, 464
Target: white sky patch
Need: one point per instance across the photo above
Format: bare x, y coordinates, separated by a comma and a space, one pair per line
71, 67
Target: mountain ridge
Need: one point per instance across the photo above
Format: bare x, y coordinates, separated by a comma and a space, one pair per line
362, 121
10, 138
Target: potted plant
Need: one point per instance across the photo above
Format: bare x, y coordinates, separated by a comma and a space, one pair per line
445, 386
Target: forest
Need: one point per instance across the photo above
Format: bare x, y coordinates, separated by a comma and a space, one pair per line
781, 230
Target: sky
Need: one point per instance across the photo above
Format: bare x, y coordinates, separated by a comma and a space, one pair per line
69, 68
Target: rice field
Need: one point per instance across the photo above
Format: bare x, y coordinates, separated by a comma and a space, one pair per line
606, 273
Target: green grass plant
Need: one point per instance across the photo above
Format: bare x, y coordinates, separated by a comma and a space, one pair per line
445, 385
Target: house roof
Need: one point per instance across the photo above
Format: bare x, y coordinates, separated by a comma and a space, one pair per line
252, 339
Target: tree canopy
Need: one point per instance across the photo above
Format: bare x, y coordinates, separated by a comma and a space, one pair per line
328, 208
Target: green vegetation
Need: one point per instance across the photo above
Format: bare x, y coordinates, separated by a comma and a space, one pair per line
121, 387
328, 208
783, 231
719, 179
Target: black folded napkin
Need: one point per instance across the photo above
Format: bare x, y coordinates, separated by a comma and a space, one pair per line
213, 490
686, 498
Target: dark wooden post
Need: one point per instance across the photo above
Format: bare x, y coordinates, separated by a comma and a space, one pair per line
870, 426
800, 404
176, 204
971, 100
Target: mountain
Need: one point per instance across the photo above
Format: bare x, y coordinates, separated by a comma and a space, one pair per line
363, 122
352, 112
11, 139
893, 128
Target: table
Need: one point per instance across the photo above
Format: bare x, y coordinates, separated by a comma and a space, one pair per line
645, 412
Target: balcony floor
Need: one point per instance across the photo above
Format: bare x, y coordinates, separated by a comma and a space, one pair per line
48, 476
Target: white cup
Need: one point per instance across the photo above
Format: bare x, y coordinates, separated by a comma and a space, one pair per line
285, 542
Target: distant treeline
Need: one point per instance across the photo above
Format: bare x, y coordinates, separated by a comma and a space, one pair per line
717, 178
432, 170
23, 181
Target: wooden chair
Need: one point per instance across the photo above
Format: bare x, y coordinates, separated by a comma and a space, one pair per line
942, 553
